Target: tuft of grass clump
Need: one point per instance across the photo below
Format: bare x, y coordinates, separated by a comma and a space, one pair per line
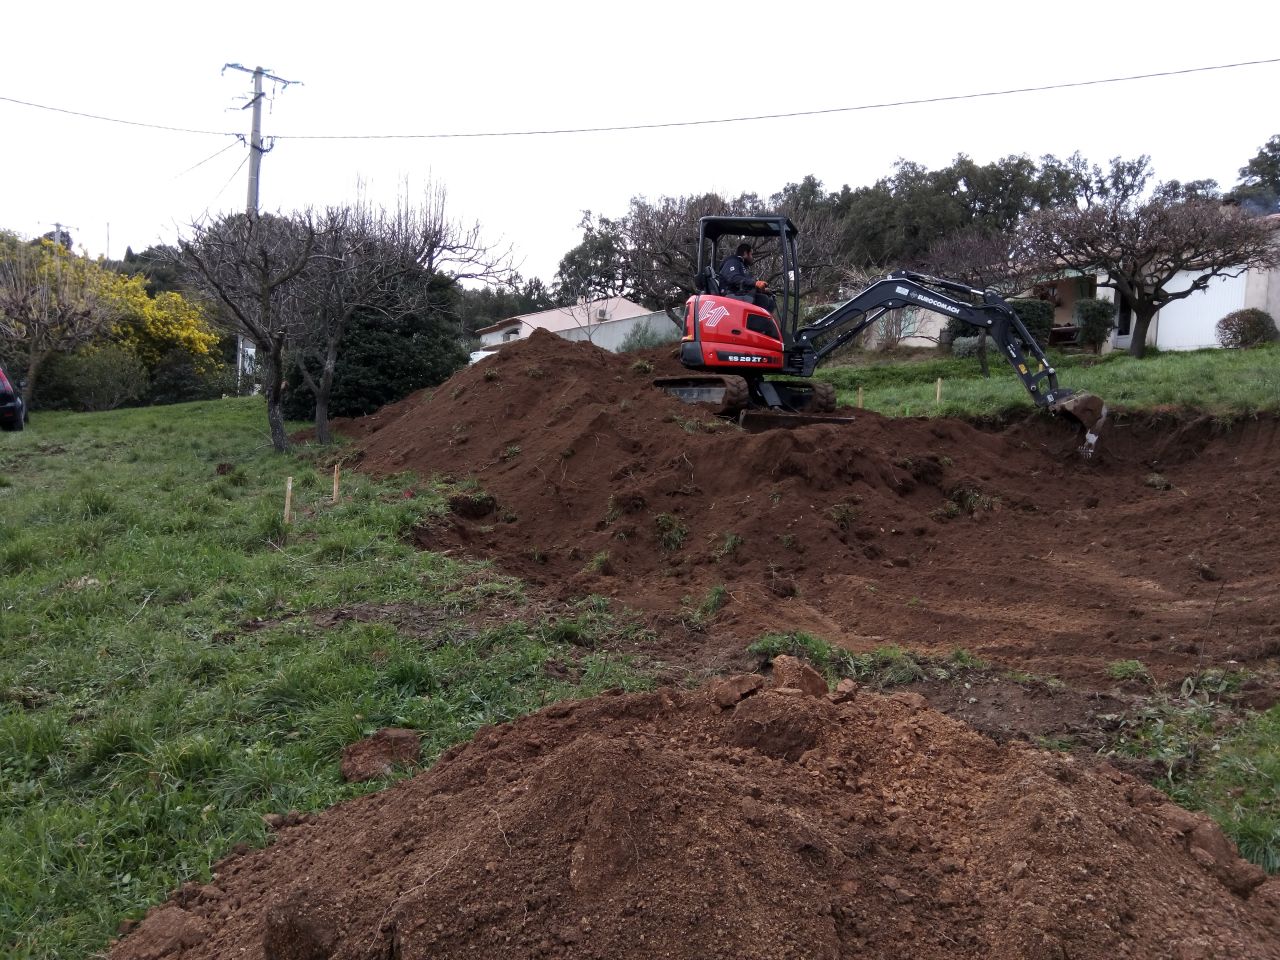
1128, 670
700, 617
728, 547
672, 531
843, 515
600, 564
803, 645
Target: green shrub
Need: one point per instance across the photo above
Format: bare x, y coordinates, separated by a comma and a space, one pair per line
1095, 319
645, 337
180, 377
1246, 328
382, 358
1037, 317
964, 347
95, 378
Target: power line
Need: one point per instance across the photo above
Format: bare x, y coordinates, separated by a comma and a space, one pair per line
131, 123
212, 156
223, 188
673, 123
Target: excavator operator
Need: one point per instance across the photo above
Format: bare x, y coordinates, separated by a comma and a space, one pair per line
737, 280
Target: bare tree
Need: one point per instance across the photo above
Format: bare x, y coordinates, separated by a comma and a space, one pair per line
1140, 242
370, 259
662, 242
251, 265
52, 301
662, 246
893, 326
985, 260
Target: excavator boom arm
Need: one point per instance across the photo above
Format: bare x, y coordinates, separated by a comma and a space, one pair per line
813, 343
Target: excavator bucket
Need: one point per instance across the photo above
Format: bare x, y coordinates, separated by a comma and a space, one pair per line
1087, 410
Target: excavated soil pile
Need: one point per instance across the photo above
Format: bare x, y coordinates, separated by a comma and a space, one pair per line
926, 533
739, 823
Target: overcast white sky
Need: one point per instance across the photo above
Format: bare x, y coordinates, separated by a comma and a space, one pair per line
378, 67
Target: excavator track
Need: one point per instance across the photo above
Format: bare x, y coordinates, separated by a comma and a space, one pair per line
807, 402
724, 395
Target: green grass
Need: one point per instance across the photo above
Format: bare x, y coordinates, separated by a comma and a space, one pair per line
1220, 382
880, 668
1124, 670
168, 673
1239, 786
1209, 762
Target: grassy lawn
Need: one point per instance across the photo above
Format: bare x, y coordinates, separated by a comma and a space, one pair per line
1222, 382
171, 667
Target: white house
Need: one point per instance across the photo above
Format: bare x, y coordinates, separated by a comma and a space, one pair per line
1192, 322
605, 323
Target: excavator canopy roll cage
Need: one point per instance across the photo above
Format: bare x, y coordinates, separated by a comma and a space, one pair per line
711, 230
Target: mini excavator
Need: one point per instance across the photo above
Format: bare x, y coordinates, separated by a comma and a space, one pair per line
745, 364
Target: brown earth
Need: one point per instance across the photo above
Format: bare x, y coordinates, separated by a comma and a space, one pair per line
931, 534
739, 823
747, 820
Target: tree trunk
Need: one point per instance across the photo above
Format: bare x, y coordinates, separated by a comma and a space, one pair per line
1138, 335
273, 387
982, 353
323, 390
34, 359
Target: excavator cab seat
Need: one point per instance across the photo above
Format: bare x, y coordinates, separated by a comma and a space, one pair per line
708, 281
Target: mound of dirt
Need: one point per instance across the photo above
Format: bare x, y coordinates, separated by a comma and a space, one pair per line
734, 822
921, 532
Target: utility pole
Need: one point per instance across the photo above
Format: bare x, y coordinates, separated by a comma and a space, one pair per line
255, 143
57, 234
256, 150
256, 147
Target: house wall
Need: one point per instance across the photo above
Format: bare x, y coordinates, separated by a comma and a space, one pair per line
610, 334
496, 337
1263, 292
1191, 323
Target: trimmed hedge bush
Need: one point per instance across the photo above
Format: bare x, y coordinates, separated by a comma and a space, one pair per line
1037, 317
1095, 319
963, 347
1246, 328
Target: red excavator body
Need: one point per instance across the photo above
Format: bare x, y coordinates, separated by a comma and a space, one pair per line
732, 335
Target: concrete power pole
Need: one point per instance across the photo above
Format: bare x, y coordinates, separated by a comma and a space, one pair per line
255, 144
256, 147
256, 150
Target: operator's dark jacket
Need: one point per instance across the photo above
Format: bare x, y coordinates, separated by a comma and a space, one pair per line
735, 278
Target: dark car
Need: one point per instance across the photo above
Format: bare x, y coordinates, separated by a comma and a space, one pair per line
13, 412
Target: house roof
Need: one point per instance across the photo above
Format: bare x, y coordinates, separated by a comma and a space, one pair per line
566, 318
